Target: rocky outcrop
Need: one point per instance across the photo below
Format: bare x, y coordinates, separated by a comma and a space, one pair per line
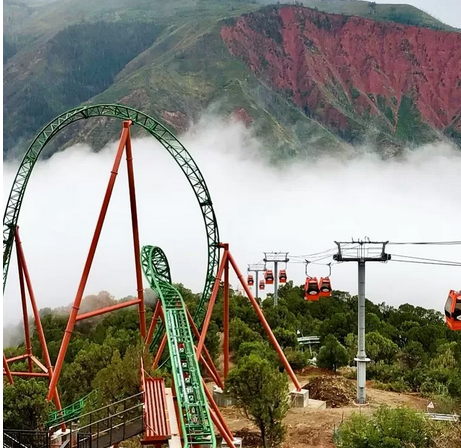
352, 73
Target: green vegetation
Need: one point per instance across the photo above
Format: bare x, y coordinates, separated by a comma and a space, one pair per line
387, 428
404, 14
410, 127
159, 56
332, 354
24, 404
261, 392
80, 62
410, 347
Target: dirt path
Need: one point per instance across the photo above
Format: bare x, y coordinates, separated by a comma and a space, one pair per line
314, 428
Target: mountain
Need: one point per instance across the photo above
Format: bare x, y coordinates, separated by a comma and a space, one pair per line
352, 74
313, 89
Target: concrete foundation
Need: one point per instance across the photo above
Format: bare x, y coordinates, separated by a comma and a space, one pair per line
237, 443
220, 398
316, 404
299, 398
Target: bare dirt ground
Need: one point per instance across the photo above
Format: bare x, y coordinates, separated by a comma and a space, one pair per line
309, 428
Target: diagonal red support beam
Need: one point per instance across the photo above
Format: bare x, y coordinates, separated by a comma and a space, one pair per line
39, 364
264, 322
6, 370
218, 419
107, 309
209, 370
153, 323
205, 351
226, 314
160, 352
89, 261
53, 392
136, 245
25, 316
209, 312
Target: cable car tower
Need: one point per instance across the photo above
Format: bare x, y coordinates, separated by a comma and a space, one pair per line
276, 258
256, 268
361, 252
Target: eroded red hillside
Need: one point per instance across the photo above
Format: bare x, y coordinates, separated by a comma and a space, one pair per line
349, 71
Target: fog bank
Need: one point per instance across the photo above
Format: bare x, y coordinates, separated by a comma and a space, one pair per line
302, 208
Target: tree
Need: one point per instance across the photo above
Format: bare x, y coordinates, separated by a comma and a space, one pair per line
240, 332
387, 428
413, 355
261, 392
120, 379
78, 376
25, 405
259, 348
286, 338
379, 348
332, 354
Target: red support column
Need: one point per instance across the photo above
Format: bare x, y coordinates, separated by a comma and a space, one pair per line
218, 419
159, 352
89, 261
38, 324
25, 317
264, 323
209, 369
226, 313
205, 351
153, 324
136, 246
7, 370
214, 294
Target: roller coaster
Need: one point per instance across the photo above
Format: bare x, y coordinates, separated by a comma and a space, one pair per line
195, 411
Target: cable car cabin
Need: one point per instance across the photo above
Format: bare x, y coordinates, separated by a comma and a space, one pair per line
283, 276
250, 280
262, 285
453, 310
311, 289
269, 277
325, 287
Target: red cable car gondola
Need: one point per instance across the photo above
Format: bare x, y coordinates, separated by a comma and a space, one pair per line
325, 287
283, 276
262, 285
269, 277
311, 289
453, 310
250, 280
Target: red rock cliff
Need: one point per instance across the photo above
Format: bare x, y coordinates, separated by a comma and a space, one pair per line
346, 71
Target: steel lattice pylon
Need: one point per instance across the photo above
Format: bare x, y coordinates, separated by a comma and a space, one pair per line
169, 142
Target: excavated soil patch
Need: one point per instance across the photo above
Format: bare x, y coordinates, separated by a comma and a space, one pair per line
335, 390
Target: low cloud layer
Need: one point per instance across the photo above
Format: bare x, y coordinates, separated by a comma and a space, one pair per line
301, 208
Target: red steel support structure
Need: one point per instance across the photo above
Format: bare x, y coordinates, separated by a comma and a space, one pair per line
202, 354
46, 370
227, 259
226, 314
125, 142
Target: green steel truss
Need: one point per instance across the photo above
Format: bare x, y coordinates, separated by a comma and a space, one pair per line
195, 417
169, 142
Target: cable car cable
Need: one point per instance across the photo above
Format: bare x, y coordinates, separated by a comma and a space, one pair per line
428, 262
425, 259
435, 243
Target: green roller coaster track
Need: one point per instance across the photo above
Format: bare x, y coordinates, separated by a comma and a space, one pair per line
169, 142
192, 402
